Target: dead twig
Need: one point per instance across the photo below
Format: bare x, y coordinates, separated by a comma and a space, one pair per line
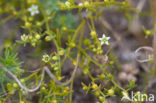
5, 94
57, 81
143, 48
18, 81
42, 77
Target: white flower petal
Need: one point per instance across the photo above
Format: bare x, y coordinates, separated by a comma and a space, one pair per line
30, 9
103, 36
80, 4
67, 4
100, 39
104, 39
108, 38
36, 7
37, 12
33, 6
32, 13
33, 10
102, 43
107, 43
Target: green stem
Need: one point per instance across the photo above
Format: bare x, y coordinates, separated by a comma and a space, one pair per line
73, 39
117, 85
93, 61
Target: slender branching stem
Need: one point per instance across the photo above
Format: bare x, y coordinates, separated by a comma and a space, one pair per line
19, 83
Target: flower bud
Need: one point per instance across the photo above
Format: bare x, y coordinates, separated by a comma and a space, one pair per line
14, 13
74, 62
30, 37
64, 28
38, 23
85, 87
59, 78
93, 34
15, 85
21, 101
27, 24
97, 93
54, 58
22, 80
31, 1
47, 38
94, 50
56, 68
72, 44
102, 99
94, 86
54, 101
9, 87
43, 89
102, 76
111, 92
30, 19
86, 3
61, 52
37, 36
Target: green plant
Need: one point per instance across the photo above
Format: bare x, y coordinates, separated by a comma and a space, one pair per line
50, 21
10, 61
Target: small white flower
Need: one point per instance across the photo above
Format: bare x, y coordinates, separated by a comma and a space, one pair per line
104, 40
80, 4
33, 10
67, 3
24, 38
46, 58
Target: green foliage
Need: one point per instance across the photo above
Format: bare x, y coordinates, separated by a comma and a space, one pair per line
51, 22
60, 18
132, 84
11, 62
